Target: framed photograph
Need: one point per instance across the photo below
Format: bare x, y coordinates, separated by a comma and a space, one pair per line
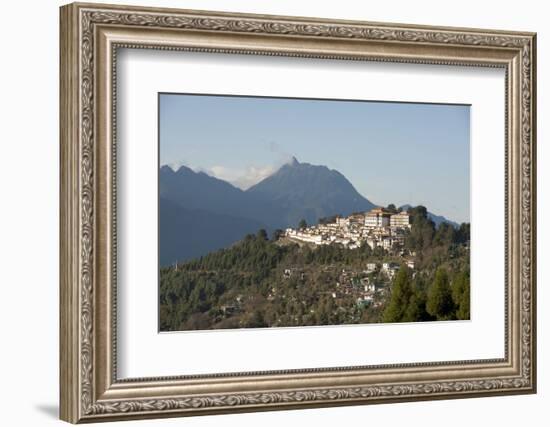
266, 212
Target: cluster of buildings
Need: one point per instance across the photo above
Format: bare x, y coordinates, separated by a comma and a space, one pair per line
362, 289
358, 284
365, 288
376, 228
366, 285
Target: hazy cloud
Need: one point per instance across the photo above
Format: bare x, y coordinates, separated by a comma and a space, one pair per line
283, 155
246, 177
242, 178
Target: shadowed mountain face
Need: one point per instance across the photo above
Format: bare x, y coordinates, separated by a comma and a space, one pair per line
309, 192
197, 190
190, 233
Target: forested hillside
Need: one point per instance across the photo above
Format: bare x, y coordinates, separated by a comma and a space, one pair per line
266, 282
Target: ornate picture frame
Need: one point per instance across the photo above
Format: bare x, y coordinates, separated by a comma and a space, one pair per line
90, 37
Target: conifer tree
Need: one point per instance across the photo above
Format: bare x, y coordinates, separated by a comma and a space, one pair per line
401, 294
416, 308
463, 312
440, 301
461, 295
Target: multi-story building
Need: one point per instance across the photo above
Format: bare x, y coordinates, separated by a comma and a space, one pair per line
401, 219
377, 217
387, 242
357, 218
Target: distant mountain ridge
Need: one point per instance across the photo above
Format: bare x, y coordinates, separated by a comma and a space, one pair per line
200, 213
197, 190
296, 191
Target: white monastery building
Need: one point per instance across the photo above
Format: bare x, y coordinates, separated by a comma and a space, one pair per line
376, 228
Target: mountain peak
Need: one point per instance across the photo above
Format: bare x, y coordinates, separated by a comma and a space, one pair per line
293, 161
184, 170
166, 168
309, 192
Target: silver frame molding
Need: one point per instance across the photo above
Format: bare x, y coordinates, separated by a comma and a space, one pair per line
90, 37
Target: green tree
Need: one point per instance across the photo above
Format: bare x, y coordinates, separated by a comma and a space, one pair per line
463, 312
302, 224
379, 252
277, 234
418, 212
401, 293
422, 229
461, 295
416, 308
328, 219
444, 235
262, 234
463, 233
391, 208
440, 301
257, 320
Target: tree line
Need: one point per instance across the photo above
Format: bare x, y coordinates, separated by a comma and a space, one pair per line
444, 297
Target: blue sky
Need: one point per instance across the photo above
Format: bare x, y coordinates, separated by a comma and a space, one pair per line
391, 152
